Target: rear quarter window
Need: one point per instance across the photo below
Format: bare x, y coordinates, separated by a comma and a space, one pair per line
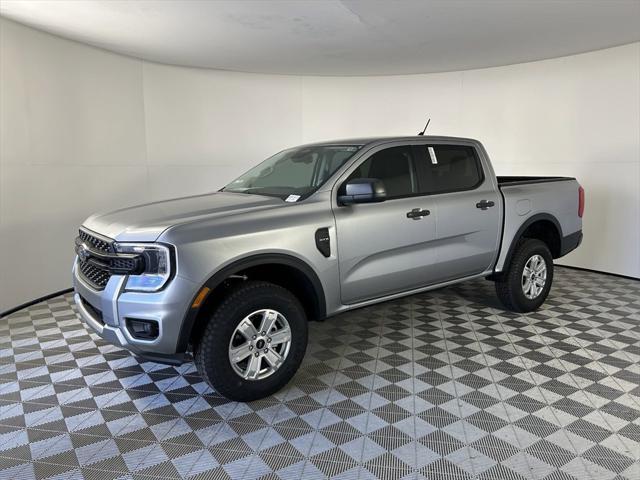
451, 168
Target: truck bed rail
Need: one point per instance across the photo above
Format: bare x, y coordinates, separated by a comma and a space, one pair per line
513, 180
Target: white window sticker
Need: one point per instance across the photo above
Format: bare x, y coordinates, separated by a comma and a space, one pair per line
432, 154
292, 198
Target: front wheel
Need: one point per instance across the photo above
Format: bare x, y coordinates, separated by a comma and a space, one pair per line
526, 283
254, 342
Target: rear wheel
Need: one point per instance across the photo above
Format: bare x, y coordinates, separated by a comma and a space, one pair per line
526, 283
254, 342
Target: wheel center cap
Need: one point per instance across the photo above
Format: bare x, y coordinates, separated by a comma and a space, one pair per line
260, 344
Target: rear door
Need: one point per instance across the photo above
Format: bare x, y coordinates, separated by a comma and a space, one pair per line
382, 250
469, 208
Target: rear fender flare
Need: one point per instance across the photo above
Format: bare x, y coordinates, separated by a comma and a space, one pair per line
527, 223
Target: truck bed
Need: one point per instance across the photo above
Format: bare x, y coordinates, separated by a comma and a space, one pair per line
538, 198
512, 180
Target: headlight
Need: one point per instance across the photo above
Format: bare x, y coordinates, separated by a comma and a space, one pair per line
156, 266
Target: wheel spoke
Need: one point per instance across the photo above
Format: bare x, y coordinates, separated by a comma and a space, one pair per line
247, 329
281, 336
237, 354
273, 358
534, 290
253, 367
269, 318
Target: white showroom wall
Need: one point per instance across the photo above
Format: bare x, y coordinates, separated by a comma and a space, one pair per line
84, 130
575, 116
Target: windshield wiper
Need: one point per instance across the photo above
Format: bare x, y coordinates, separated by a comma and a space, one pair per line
255, 191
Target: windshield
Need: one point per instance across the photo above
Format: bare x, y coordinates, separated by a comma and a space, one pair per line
293, 174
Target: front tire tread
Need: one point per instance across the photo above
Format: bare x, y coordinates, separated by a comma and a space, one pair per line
211, 354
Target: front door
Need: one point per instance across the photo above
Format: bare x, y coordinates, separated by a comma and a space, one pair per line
386, 247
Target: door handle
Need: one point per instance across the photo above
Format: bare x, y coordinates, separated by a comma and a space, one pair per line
483, 204
417, 214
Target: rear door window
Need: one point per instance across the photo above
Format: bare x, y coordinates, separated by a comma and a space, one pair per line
449, 168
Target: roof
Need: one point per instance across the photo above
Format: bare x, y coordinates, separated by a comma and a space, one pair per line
378, 140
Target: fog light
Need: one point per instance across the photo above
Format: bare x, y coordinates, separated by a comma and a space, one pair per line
143, 329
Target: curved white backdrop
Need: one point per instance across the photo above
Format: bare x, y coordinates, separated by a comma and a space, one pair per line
84, 130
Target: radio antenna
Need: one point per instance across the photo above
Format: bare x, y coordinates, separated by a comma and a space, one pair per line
425, 127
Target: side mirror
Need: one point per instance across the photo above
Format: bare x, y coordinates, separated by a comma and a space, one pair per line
362, 190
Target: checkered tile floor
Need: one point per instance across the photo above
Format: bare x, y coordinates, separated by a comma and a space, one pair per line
438, 385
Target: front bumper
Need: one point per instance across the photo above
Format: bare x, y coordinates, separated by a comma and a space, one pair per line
105, 312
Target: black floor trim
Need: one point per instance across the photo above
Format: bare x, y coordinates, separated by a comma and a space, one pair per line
33, 302
597, 271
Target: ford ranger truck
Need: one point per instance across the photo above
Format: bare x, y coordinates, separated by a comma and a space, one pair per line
230, 279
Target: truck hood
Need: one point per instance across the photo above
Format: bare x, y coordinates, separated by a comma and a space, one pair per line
145, 223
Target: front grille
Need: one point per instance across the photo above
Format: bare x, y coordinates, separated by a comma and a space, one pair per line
100, 244
123, 263
92, 274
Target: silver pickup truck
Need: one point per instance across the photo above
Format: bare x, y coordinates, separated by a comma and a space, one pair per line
231, 278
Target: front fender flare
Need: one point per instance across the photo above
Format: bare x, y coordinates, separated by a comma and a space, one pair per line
221, 275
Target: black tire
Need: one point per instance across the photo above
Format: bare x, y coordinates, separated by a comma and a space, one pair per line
509, 285
212, 353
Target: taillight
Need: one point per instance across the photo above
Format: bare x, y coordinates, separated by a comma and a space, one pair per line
580, 201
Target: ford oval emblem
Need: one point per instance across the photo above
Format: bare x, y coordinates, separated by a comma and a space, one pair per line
83, 252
